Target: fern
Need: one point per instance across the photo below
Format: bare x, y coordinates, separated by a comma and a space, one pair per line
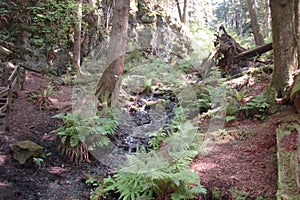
158, 173
77, 135
256, 106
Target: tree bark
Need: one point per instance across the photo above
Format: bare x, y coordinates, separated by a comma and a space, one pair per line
267, 19
284, 32
77, 38
254, 23
179, 9
297, 26
183, 17
107, 89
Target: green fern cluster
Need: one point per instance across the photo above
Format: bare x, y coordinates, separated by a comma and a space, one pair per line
150, 176
239, 101
162, 173
77, 135
256, 105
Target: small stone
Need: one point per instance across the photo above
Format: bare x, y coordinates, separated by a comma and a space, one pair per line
25, 150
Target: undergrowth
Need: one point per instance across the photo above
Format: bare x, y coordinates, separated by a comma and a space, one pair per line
161, 173
42, 98
77, 136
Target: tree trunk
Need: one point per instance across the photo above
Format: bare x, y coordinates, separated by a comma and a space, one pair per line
284, 32
77, 38
107, 88
254, 23
267, 19
179, 9
297, 27
183, 17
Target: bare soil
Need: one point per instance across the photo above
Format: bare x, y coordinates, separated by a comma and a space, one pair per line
242, 159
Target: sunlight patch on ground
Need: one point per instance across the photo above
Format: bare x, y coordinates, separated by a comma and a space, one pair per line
56, 170
3, 184
204, 166
2, 159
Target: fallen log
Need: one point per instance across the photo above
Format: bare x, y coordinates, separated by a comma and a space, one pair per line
254, 52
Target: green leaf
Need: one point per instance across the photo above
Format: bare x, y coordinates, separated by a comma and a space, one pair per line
198, 190
63, 139
230, 118
74, 141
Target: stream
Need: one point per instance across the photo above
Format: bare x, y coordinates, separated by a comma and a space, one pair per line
144, 115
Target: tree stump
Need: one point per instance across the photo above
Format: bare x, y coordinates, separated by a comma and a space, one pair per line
226, 50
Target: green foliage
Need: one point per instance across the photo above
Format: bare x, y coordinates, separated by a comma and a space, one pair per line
256, 106
216, 194
295, 87
157, 138
42, 97
260, 198
148, 176
92, 181
51, 21
68, 79
229, 118
162, 172
38, 161
239, 101
213, 99
204, 102
239, 96
47, 23
243, 134
76, 133
132, 59
184, 65
238, 194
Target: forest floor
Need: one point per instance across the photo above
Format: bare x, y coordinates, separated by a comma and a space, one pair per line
242, 161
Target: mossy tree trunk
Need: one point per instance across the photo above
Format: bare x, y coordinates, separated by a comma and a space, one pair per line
107, 87
284, 22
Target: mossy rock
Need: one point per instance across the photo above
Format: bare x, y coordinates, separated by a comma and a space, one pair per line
288, 156
25, 150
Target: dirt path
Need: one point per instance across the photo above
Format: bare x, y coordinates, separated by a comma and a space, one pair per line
242, 159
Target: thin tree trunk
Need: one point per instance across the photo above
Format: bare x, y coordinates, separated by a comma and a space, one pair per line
267, 20
225, 13
77, 38
241, 19
107, 89
297, 27
183, 19
179, 9
254, 23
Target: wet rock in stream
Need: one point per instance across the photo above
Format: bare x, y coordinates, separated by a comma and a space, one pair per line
141, 118
154, 113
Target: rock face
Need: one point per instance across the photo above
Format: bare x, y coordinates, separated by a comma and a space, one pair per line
150, 28
25, 150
